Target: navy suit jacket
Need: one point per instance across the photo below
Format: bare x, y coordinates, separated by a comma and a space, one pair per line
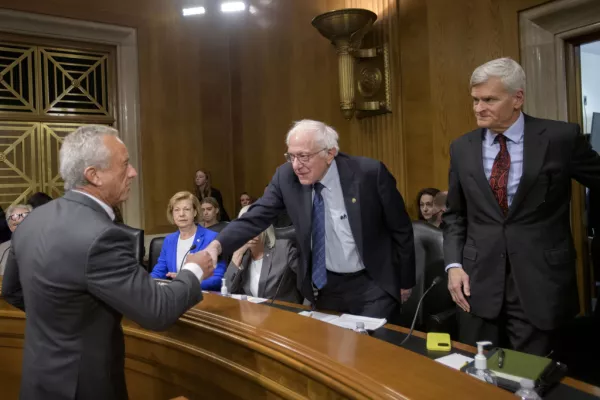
167, 260
380, 225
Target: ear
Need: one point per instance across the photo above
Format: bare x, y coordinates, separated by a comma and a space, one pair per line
91, 175
331, 153
519, 99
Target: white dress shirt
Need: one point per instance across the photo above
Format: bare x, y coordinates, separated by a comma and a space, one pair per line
341, 253
183, 246
255, 270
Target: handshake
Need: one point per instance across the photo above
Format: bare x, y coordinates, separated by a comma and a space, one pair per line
206, 259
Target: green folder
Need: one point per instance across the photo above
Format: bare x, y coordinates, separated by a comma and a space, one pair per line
517, 366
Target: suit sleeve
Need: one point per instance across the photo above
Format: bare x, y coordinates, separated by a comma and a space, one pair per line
12, 291
585, 162
114, 276
233, 276
455, 219
399, 224
261, 214
160, 269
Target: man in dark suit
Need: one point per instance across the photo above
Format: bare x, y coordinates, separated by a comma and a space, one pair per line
507, 240
354, 235
73, 271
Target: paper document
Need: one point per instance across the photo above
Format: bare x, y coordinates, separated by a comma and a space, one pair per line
248, 298
454, 360
347, 321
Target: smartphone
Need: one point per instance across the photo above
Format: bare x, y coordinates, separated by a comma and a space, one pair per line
438, 341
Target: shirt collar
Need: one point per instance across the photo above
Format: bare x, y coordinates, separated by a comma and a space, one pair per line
514, 133
105, 206
330, 176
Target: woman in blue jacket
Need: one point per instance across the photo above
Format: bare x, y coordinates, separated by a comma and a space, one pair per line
184, 212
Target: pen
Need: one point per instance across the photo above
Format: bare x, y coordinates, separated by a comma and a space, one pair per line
500, 358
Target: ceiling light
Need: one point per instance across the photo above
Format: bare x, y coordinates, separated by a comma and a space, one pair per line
193, 11
233, 6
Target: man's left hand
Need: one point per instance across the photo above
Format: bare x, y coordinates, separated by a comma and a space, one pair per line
405, 294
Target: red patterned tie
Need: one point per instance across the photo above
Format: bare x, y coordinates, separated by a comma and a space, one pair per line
499, 176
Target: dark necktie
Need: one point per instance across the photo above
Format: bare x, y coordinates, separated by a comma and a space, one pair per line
499, 176
319, 271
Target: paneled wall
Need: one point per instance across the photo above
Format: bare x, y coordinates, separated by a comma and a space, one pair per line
220, 92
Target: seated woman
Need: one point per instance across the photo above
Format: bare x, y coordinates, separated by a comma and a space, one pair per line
262, 265
211, 215
14, 216
425, 203
184, 212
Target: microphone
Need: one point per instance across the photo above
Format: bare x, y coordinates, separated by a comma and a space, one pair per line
192, 247
436, 280
279, 285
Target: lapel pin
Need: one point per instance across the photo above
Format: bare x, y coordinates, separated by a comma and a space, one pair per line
353, 200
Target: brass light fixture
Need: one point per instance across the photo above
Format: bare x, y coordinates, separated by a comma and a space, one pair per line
346, 29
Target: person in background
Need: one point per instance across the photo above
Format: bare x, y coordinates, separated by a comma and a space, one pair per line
204, 188
5, 232
425, 203
265, 267
508, 246
353, 233
245, 199
14, 216
75, 275
439, 207
184, 212
38, 199
211, 218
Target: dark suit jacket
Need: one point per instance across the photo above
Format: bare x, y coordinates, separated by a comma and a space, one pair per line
75, 274
380, 225
535, 235
279, 262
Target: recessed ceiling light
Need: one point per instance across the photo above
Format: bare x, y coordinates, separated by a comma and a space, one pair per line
233, 6
193, 11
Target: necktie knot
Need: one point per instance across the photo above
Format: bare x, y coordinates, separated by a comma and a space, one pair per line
317, 187
500, 138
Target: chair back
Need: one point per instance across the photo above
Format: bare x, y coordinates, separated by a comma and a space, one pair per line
288, 232
155, 248
138, 241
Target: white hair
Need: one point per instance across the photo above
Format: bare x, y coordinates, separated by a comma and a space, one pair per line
10, 210
325, 136
508, 70
81, 149
269, 233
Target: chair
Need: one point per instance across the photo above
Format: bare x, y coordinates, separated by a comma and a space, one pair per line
438, 308
155, 248
288, 232
138, 241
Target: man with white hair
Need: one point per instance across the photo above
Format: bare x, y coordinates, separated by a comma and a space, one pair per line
354, 235
74, 272
507, 235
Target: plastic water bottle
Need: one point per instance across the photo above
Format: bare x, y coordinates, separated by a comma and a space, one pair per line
224, 290
360, 328
527, 391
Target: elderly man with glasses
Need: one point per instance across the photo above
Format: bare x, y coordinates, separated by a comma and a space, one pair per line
354, 235
14, 216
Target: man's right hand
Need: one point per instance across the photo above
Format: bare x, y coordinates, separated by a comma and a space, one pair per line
458, 283
204, 260
214, 249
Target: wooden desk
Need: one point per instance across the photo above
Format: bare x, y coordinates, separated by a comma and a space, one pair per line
229, 349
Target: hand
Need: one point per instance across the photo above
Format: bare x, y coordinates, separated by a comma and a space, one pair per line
171, 275
405, 294
204, 260
214, 249
458, 283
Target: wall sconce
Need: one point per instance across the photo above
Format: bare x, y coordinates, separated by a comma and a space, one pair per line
346, 29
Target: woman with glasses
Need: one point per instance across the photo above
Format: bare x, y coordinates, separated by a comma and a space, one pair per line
14, 216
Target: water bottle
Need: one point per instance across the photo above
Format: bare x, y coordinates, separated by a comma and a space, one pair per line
360, 328
527, 392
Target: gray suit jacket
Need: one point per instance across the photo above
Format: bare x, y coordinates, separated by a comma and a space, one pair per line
278, 261
75, 274
536, 233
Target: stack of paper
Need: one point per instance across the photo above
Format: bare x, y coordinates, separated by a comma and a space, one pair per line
454, 360
248, 298
347, 321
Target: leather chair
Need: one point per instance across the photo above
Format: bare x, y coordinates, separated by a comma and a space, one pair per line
288, 232
155, 248
138, 241
437, 310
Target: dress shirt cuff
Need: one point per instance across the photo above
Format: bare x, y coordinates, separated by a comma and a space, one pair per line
453, 265
194, 269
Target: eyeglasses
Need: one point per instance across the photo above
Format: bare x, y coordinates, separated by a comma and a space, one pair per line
16, 217
302, 158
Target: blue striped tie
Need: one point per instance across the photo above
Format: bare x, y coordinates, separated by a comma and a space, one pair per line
319, 271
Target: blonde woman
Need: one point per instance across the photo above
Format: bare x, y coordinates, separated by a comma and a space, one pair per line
262, 265
204, 188
183, 211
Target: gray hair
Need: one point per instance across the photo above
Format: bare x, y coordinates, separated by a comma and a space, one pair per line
269, 233
508, 70
81, 149
10, 210
325, 136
